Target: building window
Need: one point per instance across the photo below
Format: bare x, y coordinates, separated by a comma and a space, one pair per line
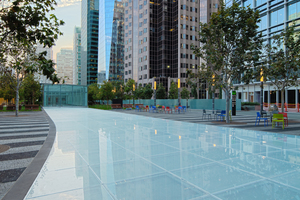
129, 71
145, 76
145, 67
277, 16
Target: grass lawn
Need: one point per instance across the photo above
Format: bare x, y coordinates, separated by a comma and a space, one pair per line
22, 109
102, 107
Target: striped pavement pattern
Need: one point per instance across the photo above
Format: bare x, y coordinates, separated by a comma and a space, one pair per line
25, 136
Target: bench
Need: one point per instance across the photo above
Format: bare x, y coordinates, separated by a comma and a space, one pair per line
115, 106
127, 105
31, 107
12, 107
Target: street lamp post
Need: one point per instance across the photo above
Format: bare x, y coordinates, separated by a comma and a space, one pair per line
178, 92
154, 93
133, 88
213, 94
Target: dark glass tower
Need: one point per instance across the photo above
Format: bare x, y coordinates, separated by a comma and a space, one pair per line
89, 41
111, 40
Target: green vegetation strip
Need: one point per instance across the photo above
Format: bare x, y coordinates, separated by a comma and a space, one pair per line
102, 107
22, 109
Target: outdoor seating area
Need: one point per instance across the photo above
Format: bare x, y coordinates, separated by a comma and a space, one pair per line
275, 118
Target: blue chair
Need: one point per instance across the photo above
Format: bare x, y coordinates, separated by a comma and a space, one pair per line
137, 108
184, 108
258, 118
152, 108
222, 115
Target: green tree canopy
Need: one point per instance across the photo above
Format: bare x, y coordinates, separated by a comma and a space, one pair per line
129, 89
185, 93
30, 90
6, 90
230, 45
161, 92
139, 92
148, 92
173, 91
107, 91
93, 93
118, 89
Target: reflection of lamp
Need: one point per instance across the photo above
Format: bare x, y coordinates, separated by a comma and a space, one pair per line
213, 93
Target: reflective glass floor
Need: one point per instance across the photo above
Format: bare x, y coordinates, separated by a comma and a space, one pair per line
109, 155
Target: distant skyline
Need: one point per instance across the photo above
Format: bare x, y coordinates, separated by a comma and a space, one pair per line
70, 12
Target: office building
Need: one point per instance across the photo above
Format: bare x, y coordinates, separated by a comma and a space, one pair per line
64, 66
89, 41
158, 39
77, 56
111, 40
275, 16
49, 56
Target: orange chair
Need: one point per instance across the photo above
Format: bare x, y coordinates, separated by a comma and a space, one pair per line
285, 117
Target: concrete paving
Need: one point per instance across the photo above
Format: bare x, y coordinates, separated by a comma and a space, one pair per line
243, 120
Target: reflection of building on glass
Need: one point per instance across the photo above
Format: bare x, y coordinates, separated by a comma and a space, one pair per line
111, 40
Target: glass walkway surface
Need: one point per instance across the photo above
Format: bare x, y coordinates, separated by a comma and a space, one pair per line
110, 155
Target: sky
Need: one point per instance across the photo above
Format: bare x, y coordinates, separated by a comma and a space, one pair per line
70, 12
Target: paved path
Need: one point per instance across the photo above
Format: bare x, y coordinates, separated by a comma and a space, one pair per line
24, 135
243, 119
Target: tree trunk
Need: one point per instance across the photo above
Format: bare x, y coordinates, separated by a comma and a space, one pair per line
17, 94
282, 100
227, 106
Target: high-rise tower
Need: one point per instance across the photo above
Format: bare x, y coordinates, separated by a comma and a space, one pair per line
89, 41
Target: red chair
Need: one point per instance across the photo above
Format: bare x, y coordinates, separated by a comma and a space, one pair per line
163, 108
285, 117
168, 109
147, 108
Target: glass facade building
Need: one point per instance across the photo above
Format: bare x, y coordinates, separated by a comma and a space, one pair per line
89, 41
275, 16
64, 95
111, 40
77, 56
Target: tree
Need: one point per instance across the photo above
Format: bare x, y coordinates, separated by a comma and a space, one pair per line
6, 90
31, 89
106, 91
93, 93
173, 91
119, 89
129, 89
23, 24
29, 22
185, 94
229, 45
148, 92
139, 92
161, 92
280, 63
21, 60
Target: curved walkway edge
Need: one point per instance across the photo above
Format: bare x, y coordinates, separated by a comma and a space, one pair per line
24, 182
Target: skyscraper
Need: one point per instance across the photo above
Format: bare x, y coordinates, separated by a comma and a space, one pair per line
111, 40
158, 39
77, 56
64, 65
89, 41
